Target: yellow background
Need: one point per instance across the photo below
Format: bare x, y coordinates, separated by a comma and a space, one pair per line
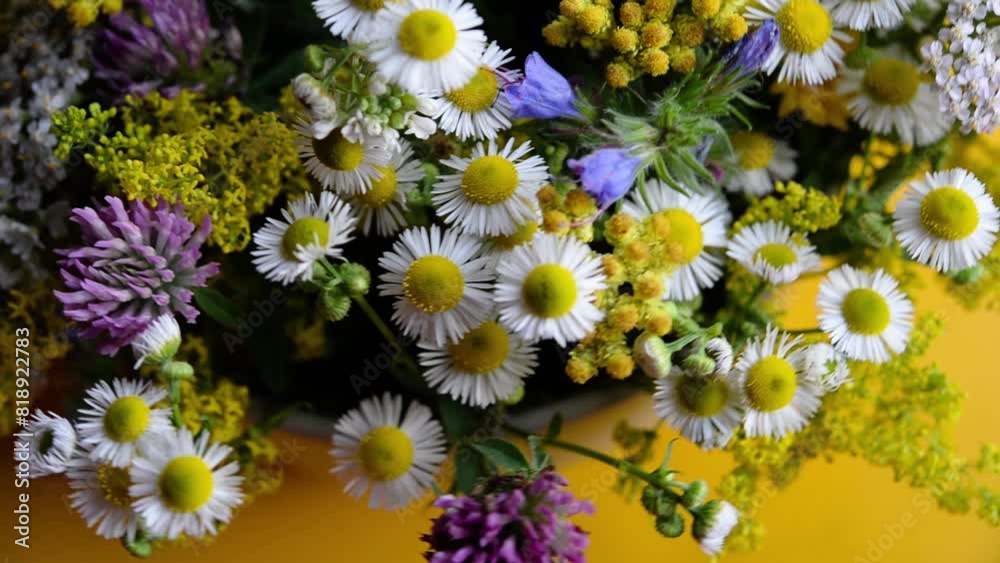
830, 514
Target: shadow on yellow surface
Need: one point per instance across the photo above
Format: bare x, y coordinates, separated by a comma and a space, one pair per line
844, 512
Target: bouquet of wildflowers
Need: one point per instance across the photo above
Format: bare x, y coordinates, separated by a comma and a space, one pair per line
478, 218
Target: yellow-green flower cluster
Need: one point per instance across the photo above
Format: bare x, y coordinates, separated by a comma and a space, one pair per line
217, 158
84, 12
648, 38
222, 409
805, 210
642, 258
896, 415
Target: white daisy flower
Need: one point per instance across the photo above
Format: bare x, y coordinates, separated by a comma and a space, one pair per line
120, 419
384, 204
340, 164
713, 523
185, 486
477, 110
704, 409
778, 397
493, 192
826, 366
869, 14
159, 342
487, 364
309, 230
394, 455
720, 350
698, 224
441, 283
547, 289
51, 446
101, 496
427, 45
888, 97
762, 162
947, 220
350, 19
770, 251
865, 315
809, 48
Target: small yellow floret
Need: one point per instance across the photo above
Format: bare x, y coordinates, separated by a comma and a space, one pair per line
620, 365
656, 35
690, 32
705, 9
555, 221
592, 19
655, 62
630, 14
618, 75
624, 40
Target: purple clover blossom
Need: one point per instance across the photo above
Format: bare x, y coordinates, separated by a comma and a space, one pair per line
136, 264
513, 518
606, 174
131, 58
543, 93
753, 49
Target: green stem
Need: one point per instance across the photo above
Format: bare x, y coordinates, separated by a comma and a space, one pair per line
174, 389
604, 458
757, 291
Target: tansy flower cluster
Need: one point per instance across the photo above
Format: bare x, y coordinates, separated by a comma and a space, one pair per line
648, 38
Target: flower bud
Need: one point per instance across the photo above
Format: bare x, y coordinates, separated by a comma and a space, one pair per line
314, 58
671, 526
356, 279
515, 397
695, 494
652, 355
335, 304
969, 275
177, 370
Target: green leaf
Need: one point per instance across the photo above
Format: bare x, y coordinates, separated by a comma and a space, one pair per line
459, 421
467, 469
539, 457
555, 426
217, 306
502, 454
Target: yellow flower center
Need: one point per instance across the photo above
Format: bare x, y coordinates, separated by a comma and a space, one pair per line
949, 213
369, 5
382, 190
754, 150
805, 25
478, 94
126, 419
523, 234
685, 232
891, 82
702, 396
481, 350
434, 284
386, 453
865, 311
427, 35
549, 291
489, 180
776, 254
114, 483
302, 233
186, 484
770, 384
338, 153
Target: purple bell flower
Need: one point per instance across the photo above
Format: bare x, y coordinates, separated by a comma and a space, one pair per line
606, 174
543, 93
136, 263
750, 53
513, 518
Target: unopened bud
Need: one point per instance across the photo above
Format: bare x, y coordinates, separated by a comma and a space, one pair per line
652, 355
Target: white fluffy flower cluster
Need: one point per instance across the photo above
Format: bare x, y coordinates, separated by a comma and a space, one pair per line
965, 61
40, 74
